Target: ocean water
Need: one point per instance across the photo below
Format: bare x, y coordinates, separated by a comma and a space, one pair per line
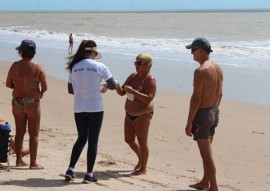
240, 40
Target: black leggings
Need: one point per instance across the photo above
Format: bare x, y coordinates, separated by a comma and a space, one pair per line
88, 127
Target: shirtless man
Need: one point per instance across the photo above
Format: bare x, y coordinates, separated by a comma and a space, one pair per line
203, 112
28, 81
140, 88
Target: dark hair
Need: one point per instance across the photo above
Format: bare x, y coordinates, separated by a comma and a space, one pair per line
80, 54
28, 53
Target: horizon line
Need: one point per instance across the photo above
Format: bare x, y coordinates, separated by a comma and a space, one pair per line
146, 11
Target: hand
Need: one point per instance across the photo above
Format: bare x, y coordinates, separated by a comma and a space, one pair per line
128, 89
118, 86
188, 130
41, 95
104, 88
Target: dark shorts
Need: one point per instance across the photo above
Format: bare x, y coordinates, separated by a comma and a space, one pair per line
205, 122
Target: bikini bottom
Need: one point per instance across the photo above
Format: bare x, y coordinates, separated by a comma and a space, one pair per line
21, 102
132, 118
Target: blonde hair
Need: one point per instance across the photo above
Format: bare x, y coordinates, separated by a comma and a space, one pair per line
145, 57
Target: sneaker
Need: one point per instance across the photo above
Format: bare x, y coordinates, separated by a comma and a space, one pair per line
87, 179
69, 176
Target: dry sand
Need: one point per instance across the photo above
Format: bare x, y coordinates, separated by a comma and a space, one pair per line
240, 146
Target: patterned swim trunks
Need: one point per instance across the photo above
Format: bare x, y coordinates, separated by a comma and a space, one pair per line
205, 122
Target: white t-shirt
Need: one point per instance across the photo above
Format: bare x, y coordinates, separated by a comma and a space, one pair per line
85, 78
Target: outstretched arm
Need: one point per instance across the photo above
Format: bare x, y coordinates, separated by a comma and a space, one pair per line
111, 84
120, 89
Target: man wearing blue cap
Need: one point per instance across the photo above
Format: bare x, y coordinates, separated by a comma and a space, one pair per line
203, 112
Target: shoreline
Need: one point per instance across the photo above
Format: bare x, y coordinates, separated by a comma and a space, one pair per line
174, 160
244, 57
185, 91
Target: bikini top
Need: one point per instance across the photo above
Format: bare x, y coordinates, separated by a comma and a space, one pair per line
34, 80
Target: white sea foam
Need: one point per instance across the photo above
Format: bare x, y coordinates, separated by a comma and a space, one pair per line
243, 51
250, 49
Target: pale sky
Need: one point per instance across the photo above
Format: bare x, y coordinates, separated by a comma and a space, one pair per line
129, 5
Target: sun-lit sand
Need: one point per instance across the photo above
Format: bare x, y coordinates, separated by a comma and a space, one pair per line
240, 147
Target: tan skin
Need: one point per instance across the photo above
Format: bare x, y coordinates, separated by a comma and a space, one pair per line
141, 106
25, 69
71, 41
13, 149
207, 93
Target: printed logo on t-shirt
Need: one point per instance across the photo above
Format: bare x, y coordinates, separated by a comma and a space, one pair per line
79, 69
92, 69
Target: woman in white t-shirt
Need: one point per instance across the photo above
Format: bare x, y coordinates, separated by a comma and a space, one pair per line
85, 76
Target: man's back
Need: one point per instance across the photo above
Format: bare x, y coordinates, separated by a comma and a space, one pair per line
211, 77
203, 114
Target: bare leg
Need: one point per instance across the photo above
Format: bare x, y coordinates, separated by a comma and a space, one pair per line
20, 122
204, 183
200, 185
25, 152
33, 115
13, 150
130, 140
141, 125
208, 165
12, 146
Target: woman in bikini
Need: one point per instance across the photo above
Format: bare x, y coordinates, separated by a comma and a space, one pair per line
71, 41
140, 88
28, 81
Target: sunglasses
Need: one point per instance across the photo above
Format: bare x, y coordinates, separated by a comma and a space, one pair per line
139, 63
194, 49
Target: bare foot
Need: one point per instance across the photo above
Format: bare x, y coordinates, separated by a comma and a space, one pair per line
211, 189
138, 166
21, 163
138, 172
199, 186
36, 167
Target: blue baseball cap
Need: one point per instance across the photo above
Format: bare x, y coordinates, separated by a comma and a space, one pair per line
200, 43
26, 44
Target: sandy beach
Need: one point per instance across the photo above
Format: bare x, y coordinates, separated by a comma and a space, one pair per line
240, 146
